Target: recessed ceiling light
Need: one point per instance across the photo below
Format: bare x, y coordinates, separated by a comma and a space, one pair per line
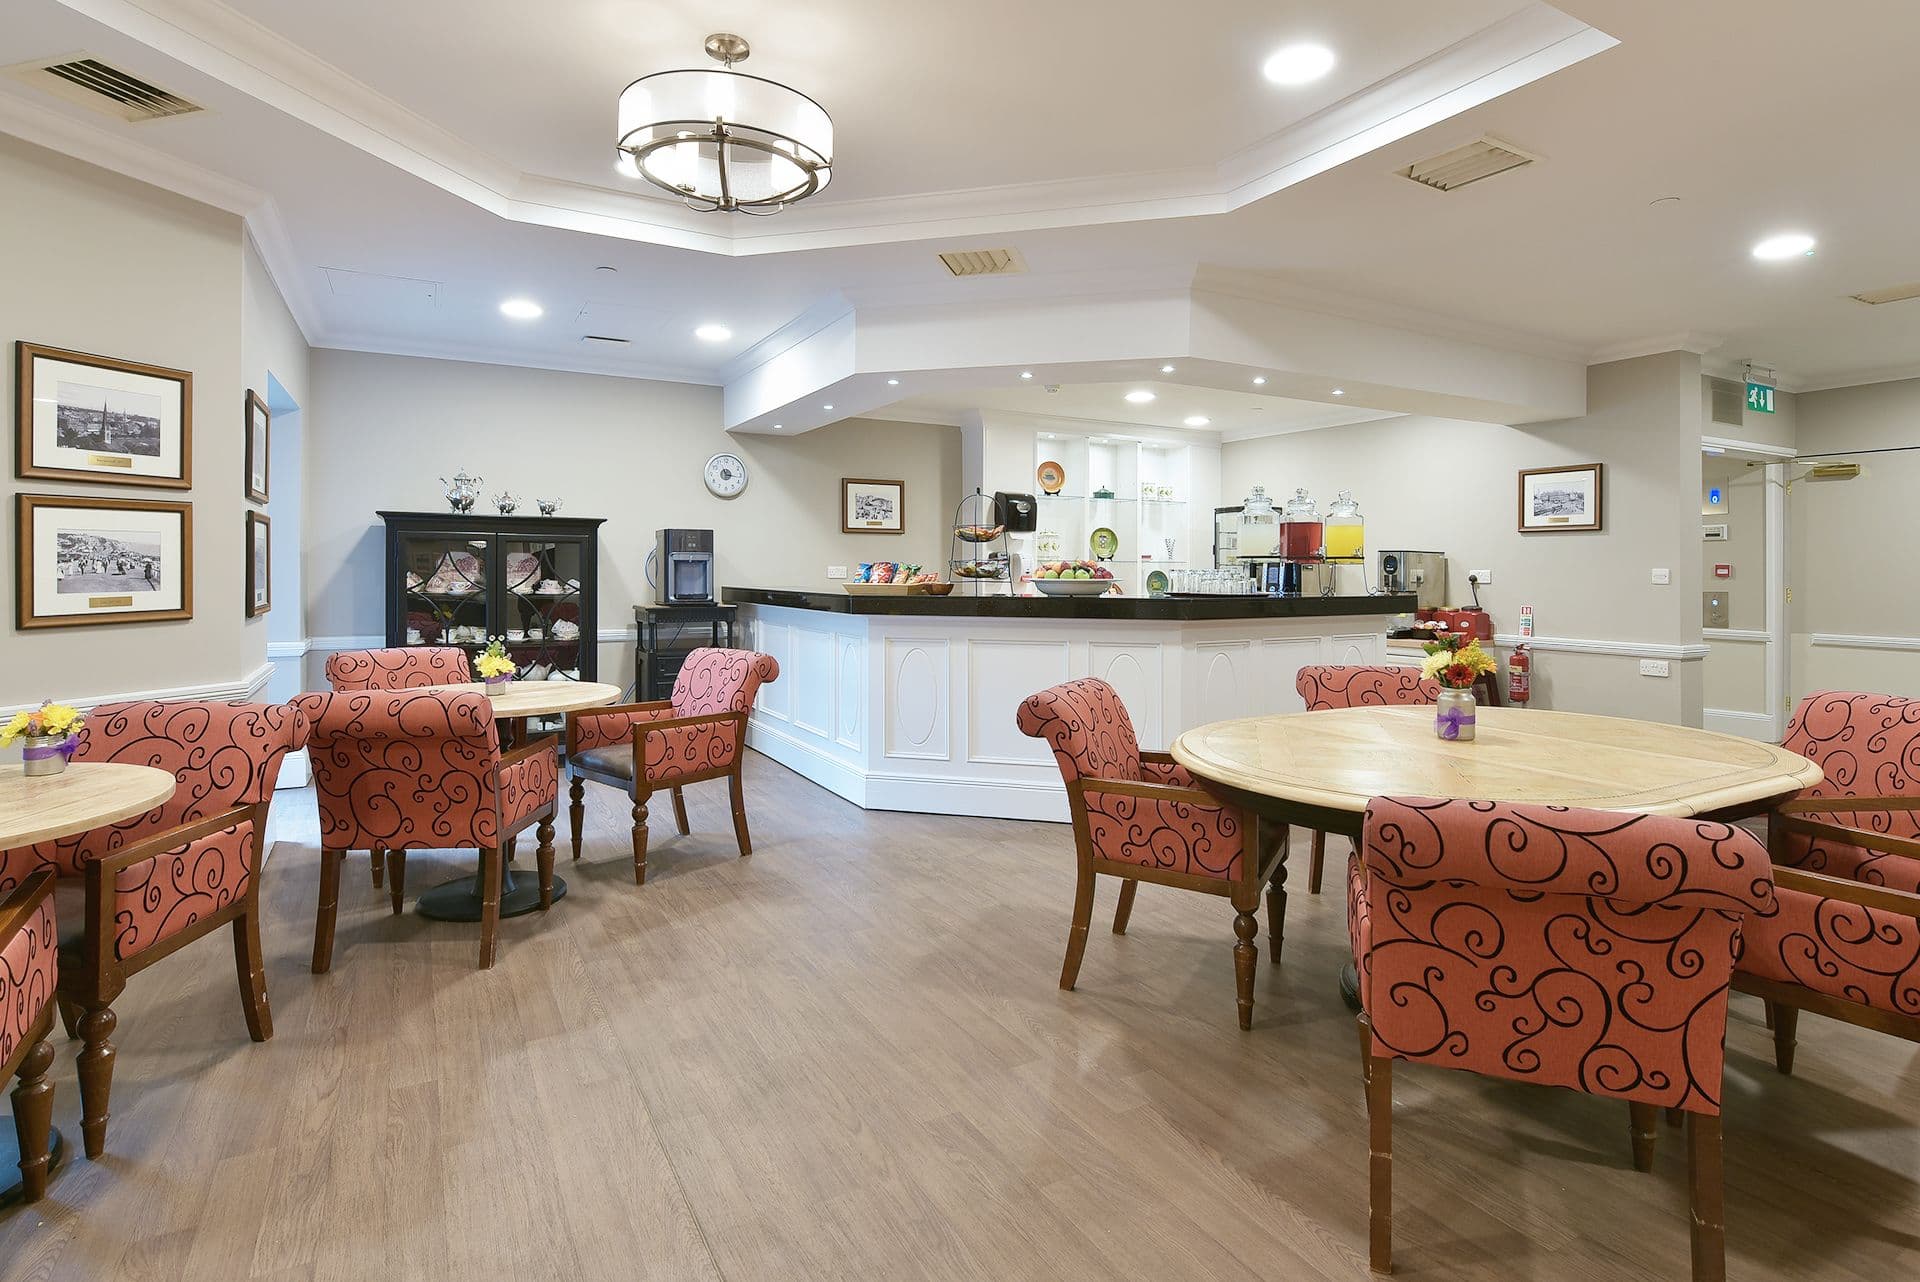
893, 382
1791, 244
522, 309
1196, 420
1139, 396
1026, 373
826, 407
1299, 64
776, 427
712, 333
1339, 391
1259, 380
1166, 369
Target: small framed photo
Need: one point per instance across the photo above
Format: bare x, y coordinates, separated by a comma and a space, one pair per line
1561, 498
259, 446
87, 560
259, 565
872, 507
95, 418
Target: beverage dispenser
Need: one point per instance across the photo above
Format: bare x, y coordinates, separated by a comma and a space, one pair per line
1302, 533
1346, 531
1259, 527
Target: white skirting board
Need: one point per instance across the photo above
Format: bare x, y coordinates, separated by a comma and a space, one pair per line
1748, 725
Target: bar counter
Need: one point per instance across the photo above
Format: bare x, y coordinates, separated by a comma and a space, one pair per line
907, 702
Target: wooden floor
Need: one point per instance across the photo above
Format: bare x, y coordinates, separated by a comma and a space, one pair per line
846, 1058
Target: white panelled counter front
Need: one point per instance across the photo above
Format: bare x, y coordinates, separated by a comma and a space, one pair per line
907, 703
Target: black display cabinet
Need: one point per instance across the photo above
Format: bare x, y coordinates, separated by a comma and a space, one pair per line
668, 634
458, 578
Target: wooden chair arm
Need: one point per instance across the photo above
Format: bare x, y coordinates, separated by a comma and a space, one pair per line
1901, 902
161, 842
24, 902
1152, 792
1884, 843
640, 728
544, 743
610, 710
1159, 758
1841, 805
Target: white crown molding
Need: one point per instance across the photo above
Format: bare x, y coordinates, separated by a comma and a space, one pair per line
1861, 377
217, 41
1655, 345
1850, 641
247, 687
824, 314
1735, 634
1338, 418
479, 354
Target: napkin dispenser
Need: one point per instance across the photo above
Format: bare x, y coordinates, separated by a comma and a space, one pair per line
1020, 513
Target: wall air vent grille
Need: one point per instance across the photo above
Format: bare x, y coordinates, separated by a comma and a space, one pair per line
100, 87
1451, 170
1729, 402
608, 339
1895, 294
984, 262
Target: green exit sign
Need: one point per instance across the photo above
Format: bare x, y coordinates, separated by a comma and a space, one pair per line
1759, 398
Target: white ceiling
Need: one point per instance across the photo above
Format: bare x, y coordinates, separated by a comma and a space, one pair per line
1759, 114
1231, 414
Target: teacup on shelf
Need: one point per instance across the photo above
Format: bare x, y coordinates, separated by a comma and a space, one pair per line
413, 636
516, 634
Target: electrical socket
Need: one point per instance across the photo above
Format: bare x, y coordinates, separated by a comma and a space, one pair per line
1656, 668
836, 572
1482, 577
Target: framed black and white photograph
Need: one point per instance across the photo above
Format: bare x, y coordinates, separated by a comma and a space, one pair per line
259, 446
1560, 498
872, 507
259, 565
95, 418
86, 560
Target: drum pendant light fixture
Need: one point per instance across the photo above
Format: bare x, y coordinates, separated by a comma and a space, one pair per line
723, 140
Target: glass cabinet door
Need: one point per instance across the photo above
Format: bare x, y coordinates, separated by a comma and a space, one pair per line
542, 608
446, 592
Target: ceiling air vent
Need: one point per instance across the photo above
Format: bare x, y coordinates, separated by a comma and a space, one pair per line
1729, 402
1451, 170
99, 87
1896, 294
984, 262
604, 338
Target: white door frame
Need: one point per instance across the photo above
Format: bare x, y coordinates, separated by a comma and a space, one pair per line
1779, 647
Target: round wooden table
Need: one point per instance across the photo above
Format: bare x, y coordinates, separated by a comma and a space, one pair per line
1319, 769
513, 703
87, 794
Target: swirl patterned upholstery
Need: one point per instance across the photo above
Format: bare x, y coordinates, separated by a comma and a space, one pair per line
421, 769
182, 869
399, 668
1843, 939
1585, 949
29, 973
1140, 817
696, 735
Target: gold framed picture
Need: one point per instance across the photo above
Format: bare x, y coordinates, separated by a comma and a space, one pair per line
97, 560
872, 507
1560, 499
79, 417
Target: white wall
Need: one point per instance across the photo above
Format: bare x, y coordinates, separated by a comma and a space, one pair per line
1451, 486
92, 261
383, 429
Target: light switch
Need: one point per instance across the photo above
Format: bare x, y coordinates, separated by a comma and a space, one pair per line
1656, 668
836, 572
1663, 576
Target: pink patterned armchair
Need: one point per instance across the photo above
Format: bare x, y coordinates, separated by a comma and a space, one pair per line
1139, 816
1356, 685
1843, 939
698, 734
145, 887
28, 972
400, 770
1586, 949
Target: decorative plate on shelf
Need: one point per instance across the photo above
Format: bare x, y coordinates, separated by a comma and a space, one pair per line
1157, 582
1051, 476
1104, 543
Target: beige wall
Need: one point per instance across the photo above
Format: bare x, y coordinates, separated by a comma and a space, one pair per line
92, 261
1451, 487
385, 428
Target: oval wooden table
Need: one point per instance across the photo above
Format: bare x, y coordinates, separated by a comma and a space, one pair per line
513, 704
1319, 769
87, 794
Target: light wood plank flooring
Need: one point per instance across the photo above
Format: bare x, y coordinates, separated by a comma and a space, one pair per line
846, 1058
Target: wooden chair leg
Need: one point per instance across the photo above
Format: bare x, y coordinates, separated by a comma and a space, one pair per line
1077, 933
1706, 1187
680, 812
70, 1013
329, 909
33, 1119
1641, 1129
1123, 911
1675, 1116
1319, 860
251, 964
379, 862
640, 838
1379, 1081
492, 868
738, 797
396, 879
1786, 1023
545, 857
1246, 958
96, 1075
577, 812
1277, 911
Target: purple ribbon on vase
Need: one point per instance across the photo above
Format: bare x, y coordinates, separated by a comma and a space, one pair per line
1451, 721
65, 748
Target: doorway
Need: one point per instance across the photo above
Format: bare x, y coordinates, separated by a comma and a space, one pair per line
1743, 516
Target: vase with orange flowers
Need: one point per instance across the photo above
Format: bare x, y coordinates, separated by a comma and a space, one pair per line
1455, 662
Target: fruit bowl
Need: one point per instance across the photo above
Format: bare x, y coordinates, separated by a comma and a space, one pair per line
1073, 587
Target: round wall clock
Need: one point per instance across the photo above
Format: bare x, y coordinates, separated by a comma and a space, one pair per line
726, 476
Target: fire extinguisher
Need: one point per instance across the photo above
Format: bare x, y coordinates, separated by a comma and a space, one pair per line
1519, 675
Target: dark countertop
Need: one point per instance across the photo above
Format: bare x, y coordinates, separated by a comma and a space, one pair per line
1170, 609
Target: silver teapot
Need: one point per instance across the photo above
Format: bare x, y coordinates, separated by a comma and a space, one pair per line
462, 490
506, 503
547, 506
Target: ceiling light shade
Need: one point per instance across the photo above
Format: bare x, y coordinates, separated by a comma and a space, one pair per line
713, 333
1298, 64
1196, 420
723, 140
522, 309
1786, 245
1139, 396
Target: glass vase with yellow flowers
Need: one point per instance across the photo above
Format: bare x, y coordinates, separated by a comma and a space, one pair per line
494, 665
1456, 663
